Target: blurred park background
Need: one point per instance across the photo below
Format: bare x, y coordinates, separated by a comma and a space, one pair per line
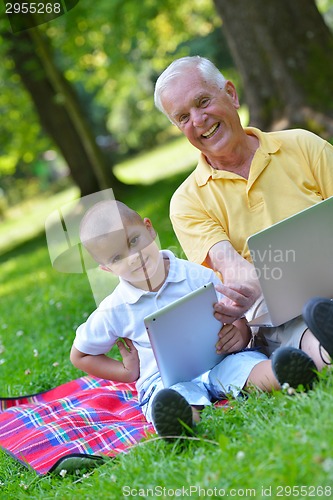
76, 100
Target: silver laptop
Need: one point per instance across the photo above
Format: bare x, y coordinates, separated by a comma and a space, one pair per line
294, 262
183, 335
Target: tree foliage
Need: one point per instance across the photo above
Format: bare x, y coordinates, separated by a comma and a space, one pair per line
285, 59
110, 54
122, 48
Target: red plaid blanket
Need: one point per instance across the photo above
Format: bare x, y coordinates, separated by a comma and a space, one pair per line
76, 422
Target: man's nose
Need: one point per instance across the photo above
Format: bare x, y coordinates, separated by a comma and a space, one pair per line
198, 117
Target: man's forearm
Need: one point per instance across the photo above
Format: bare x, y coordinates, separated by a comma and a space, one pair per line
234, 269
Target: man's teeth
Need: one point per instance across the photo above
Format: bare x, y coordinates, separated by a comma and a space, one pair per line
210, 132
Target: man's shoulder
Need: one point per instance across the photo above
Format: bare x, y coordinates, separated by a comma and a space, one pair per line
187, 194
290, 140
187, 184
297, 134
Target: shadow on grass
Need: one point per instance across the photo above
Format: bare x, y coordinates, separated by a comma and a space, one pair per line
159, 192
28, 257
25, 247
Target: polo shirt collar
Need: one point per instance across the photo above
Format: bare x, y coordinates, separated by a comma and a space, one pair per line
176, 273
204, 171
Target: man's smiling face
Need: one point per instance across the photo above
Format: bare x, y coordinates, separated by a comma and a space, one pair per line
205, 113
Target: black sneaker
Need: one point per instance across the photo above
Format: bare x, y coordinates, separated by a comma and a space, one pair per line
318, 315
294, 367
169, 410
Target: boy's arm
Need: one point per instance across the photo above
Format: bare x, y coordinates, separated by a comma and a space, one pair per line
102, 366
233, 337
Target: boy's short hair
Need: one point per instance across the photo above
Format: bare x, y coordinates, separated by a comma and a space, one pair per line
104, 218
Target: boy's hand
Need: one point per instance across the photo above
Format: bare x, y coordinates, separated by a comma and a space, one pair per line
231, 339
130, 358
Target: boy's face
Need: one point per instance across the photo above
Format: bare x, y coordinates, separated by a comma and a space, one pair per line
130, 253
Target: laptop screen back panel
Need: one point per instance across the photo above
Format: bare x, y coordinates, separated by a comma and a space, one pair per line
294, 261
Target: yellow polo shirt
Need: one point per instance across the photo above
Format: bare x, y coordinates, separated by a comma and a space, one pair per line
291, 170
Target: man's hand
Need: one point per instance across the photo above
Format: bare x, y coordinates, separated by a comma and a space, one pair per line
130, 358
239, 299
240, 284
232, 339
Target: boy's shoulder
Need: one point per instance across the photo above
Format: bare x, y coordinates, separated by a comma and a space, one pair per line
123, 296
115, 298
194, 270
188, 263
193, 274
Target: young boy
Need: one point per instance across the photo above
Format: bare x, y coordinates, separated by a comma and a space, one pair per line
124, 244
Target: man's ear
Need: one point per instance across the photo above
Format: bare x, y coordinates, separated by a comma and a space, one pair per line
231, 92
149, 226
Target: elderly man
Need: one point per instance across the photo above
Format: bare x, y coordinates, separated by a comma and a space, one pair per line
245, 181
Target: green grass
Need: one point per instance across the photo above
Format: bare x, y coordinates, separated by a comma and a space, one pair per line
266, 441
147, 168
25, 221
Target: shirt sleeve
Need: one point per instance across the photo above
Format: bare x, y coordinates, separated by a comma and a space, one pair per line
323, 170
196, 231
95, 336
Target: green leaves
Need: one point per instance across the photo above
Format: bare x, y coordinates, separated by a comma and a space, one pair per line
112, 53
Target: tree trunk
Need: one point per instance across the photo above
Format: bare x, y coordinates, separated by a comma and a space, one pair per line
283, 50
60, 112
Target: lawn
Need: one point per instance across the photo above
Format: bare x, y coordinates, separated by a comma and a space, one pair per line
276, 446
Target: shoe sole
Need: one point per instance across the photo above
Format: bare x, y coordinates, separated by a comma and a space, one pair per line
169, 410
294, 367
318, 315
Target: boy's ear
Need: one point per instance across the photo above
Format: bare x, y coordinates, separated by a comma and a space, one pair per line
149, 226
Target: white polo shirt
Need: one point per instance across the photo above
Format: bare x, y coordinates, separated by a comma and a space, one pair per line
121, 314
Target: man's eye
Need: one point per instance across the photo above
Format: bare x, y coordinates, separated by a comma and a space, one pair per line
183, 119
204, 102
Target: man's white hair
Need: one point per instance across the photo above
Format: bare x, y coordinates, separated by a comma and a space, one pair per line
206, 68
